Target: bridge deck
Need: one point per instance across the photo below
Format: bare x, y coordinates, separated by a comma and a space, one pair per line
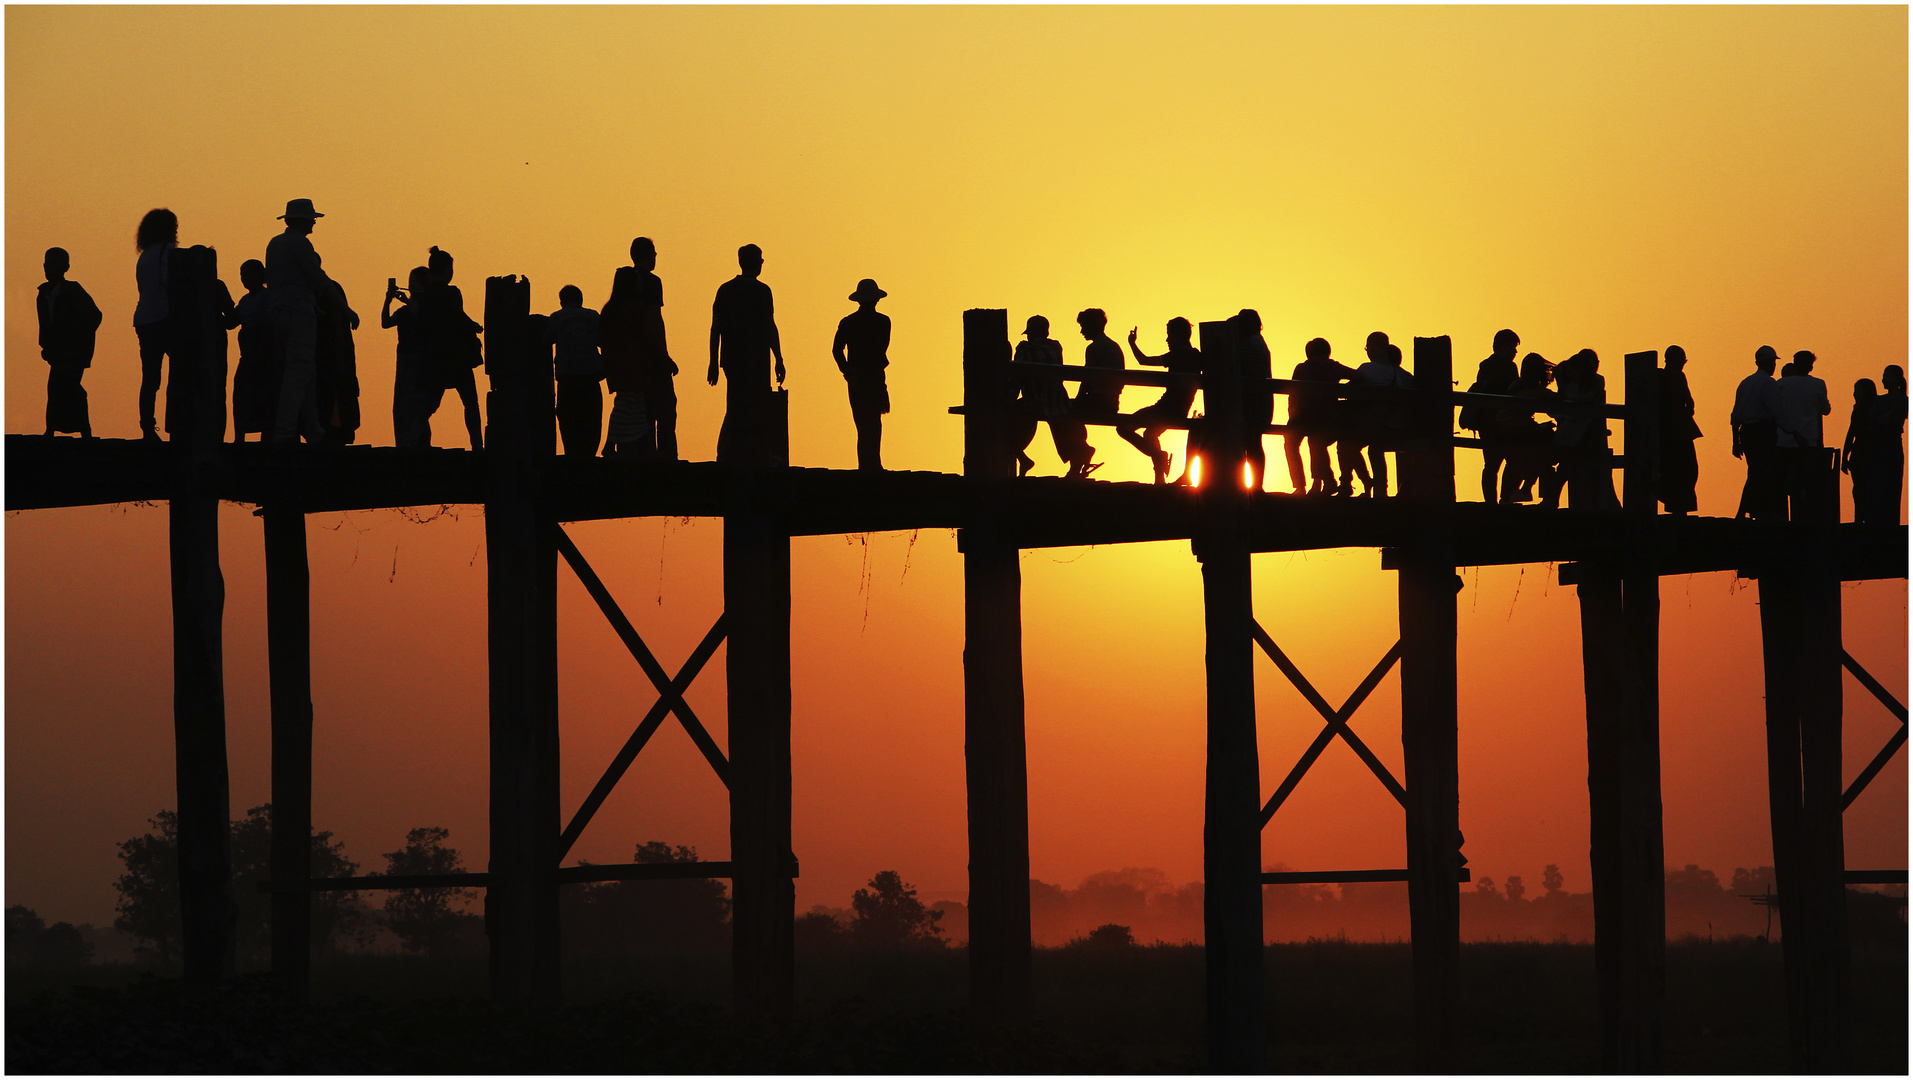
43, 473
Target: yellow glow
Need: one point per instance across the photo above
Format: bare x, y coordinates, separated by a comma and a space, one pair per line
1195, 470
1248, 476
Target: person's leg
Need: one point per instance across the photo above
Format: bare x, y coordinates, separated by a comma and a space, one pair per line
869, 438
53, 391
1292, 450
297, 335
1492, 459
661, 406
1378, 465
474, 422
152, 350
1321, 473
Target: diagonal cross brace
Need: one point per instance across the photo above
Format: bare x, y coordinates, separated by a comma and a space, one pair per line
1336, 722
642, 654
1892, 745
673, 695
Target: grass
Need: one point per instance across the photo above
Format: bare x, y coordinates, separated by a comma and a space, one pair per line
1334, 1007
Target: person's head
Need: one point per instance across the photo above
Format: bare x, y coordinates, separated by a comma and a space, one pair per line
1536, 370
300, 217
1249, 319
1376, 345
866, 294
419, 278
1894, 379
57, 263
1676, 357
439, 261
1590, 361
1037, 328
1506, 342
644, 254
1803, 363
1392, 355
1092, 322
1765, 358
1789, 369
158, 227
252, 274
571, 296
1864, 391
1178, 331
750, 259
1317, 349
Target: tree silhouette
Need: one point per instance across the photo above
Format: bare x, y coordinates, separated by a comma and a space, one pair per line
1109, 936
889, 915
1514, 888
31, 942
643, 918
1551, 879
430, 921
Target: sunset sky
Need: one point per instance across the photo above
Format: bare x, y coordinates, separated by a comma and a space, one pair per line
1618, 178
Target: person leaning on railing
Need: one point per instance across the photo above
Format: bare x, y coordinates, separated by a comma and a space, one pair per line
1529, 455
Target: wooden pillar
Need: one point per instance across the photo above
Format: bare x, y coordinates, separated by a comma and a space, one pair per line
1801, 643
757, 681
996, 767
1620, 644
207, 911
1426, 594
1232, 819
289, 656
521, 902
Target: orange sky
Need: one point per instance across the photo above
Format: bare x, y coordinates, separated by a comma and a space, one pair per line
1614, 178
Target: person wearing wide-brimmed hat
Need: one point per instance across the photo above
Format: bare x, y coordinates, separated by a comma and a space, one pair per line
862, 351
295, 282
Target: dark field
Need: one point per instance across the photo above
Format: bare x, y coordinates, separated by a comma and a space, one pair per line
1334, 1007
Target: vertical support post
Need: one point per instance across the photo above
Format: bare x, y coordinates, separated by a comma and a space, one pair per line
757, 681
521, 902
207, 911
1426, 595
1800, 640
1232, 820
996, 766
289, 656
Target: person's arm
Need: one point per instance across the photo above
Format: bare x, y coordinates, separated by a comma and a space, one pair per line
351, 317
837, 351
1852, 439
777, 350
711, 376
385, 312
1145, 358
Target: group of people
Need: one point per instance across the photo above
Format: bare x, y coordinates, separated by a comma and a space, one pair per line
1778, 431
1524, 457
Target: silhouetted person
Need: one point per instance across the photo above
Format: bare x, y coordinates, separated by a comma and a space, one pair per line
1530, 455
1495, 375
1098, 401
1387, 421
157, 237
1799, 402
1580, 437
1763, 496
452, 336
335, 386
1680, 467
1045, 400
69, 321
637, 361
1173, 406
862, 352
1315, 420
255, 382
1856, 450
1258, 401
1890, 471
573, 328
416, 386
294, 283
743, 340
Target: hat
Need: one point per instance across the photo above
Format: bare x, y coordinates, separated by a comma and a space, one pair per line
1033, 320
868, 288
300, 208
1766, 352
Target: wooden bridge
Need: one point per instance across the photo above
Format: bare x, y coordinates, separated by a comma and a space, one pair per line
1615, 557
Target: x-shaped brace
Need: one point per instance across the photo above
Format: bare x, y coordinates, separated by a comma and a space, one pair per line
670, 694
1335, 722
1893, 745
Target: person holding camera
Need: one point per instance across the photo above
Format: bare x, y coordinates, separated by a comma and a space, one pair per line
414, 393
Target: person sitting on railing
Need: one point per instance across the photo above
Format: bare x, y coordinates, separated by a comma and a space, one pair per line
1495, 375
1044, 399
1580, 437
1385, 422
1258, 401
1680, 468
1173, 406
1529, 455
1097, 401
1316, 419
